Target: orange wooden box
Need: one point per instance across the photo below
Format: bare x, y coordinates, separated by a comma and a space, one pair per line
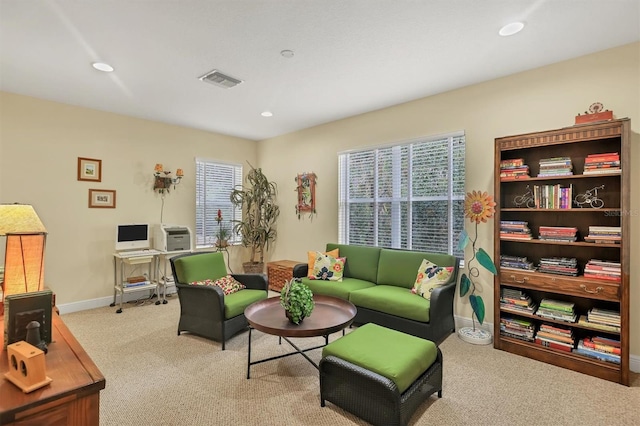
279, 272
598, 116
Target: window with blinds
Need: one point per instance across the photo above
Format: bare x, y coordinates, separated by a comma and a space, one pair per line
214, 183
408, 196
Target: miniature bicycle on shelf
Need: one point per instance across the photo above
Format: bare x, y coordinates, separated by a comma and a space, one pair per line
525, 200
590, 198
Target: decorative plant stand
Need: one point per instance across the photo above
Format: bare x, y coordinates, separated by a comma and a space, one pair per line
476, 337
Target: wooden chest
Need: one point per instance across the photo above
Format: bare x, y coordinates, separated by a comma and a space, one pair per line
279, 272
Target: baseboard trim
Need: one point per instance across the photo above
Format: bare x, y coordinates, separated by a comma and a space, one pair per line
634, 360
101, 302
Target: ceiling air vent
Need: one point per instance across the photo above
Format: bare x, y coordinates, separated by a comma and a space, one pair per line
219, 79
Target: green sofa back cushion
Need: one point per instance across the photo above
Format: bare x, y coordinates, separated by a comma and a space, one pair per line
362, 262
199, 267
400, 267
397, 356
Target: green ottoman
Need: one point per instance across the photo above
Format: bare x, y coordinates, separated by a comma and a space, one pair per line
380, 375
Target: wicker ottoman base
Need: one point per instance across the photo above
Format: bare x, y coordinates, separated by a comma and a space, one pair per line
372, 397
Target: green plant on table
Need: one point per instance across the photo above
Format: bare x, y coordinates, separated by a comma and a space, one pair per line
297, 300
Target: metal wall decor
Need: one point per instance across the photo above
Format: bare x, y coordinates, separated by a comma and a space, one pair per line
306, 189
590, 198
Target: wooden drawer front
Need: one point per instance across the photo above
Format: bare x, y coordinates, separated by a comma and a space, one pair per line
575, 286
279, 273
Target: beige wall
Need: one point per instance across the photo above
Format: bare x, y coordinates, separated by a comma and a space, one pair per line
545, 98
41, 142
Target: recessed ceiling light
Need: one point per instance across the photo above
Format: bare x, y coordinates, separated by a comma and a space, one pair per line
287, 53
511, 29
266, 114
101, 66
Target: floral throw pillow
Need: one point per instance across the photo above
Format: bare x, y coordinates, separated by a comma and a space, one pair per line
328, 268
430, 276
203, 282
229, 285
311, 255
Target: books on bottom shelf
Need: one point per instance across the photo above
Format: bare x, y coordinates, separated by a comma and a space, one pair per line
584, 349
127, 284
555, 337
517, 328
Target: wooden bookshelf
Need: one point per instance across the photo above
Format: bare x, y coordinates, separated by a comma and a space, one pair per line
576, 142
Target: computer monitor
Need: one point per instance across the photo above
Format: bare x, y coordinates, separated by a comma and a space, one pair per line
134, 236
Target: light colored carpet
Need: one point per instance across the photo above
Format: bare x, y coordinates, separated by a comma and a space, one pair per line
156, 377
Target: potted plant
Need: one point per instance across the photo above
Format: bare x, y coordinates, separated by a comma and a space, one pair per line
222, 236
259, 215
297, 300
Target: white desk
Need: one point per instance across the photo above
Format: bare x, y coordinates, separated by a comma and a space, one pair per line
119, 261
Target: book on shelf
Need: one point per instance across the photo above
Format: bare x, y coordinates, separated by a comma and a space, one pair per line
553, 344
610, 171
135, 284
606, 341
584, 322
592, 353
589, 343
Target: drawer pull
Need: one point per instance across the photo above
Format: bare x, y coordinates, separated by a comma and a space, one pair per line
596, 291
522, 281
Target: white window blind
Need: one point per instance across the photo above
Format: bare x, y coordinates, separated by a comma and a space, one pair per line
409, 196
214, 182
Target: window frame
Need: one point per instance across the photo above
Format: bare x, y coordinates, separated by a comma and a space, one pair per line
204, 214
345, 204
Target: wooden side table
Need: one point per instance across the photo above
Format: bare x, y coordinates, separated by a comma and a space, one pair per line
279, 272
73, 396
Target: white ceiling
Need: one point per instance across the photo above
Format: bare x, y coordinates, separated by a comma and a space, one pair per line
351, 56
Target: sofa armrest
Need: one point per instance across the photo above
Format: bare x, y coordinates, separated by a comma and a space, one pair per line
300, 270
252, 281
442, 302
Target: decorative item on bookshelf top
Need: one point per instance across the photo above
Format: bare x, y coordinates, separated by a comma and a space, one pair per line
595, 113
478, 207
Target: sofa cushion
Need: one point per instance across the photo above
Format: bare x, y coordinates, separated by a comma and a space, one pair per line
398, 267
311, 259
327, 268
392, 300
337, 289
397, 356
430, 276
362, 262
199, 267
235, 304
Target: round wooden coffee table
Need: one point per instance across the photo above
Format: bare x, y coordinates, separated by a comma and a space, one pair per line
330, 314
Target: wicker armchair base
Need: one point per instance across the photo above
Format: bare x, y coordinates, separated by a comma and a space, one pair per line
372, 397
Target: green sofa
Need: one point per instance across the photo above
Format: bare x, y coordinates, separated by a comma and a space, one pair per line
378, 282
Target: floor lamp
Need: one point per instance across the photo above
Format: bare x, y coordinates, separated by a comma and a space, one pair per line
24, 253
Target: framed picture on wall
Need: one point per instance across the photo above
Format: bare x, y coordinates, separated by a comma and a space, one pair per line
102, 198
89, 169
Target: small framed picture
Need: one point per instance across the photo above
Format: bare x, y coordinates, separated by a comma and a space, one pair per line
89, 169
102, 198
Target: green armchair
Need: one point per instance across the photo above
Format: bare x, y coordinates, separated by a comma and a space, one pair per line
204, 309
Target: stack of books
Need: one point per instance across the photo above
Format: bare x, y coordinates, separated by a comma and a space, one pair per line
601, 348
515, 262
604, 235
517, 328
604, 319
557, 310
135, 281
513, 169
556, 166
553, 196
517, 301
558, 233
603, 270
602, 164
555, 337
515, 230
559, 265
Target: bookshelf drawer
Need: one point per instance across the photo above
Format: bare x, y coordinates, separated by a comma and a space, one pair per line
575, 286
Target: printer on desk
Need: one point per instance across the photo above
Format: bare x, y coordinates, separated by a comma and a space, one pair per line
171, 238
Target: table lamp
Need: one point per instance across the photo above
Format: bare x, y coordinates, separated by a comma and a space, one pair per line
24, 255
